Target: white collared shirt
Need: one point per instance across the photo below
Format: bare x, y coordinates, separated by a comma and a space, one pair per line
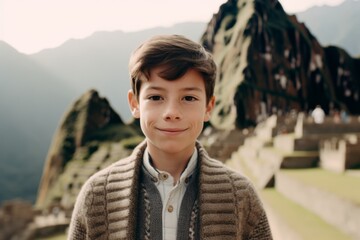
171, 194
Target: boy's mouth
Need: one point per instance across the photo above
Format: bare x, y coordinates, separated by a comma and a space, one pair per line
172, 130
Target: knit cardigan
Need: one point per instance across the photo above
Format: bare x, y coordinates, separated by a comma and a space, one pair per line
229, 207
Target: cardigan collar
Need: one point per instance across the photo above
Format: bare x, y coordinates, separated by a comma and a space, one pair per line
216, 195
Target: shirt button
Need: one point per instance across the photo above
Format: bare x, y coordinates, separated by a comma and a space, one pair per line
170, 208
163, 176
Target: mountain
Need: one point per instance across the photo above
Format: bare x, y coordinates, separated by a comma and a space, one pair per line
90, 126
249, 46
37, 89
32, 101
269, 62
337, 25
100, 61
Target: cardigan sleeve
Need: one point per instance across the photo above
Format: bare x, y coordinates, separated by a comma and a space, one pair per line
261, 229
257, 219
78, 229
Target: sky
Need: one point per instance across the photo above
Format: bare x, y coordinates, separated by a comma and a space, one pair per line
32, 25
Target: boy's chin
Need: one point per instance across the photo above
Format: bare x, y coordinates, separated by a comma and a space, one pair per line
173, 147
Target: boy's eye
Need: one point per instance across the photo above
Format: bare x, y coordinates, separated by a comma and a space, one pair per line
189, 98
155, 98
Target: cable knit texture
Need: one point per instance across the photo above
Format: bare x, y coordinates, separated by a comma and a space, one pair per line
229, 208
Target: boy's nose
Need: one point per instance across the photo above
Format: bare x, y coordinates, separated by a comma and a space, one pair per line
172, 112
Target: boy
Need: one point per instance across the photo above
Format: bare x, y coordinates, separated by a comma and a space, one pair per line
169, 188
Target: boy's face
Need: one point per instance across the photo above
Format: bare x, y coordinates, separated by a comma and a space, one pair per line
172, 113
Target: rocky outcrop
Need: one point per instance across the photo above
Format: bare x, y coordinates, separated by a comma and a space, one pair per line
90, 121
14, 217
269, 62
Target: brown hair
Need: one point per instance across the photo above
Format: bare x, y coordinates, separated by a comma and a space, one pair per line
177, 55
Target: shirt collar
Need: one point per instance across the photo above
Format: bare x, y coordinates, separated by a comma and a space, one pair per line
188, 171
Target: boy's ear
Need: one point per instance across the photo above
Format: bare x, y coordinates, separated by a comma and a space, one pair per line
209, 108
133, 104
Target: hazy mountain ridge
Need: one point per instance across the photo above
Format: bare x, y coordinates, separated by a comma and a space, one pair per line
37, 89
101, 60
337, 25
31, 103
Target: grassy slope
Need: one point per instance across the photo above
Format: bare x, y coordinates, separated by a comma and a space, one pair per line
307, 224
339, 184
54, 237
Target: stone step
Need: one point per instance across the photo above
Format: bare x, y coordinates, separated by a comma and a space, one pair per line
329, 127
254, 142
289, 143
264, 129
236, 163
247, 152
271, 154
300, 159
333, 197
338, 155
296, 159
313, 142
285, 142
289, 220
100, 155
262, 172
264, 164
306, 144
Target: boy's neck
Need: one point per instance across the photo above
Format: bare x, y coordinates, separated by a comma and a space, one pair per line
173, 163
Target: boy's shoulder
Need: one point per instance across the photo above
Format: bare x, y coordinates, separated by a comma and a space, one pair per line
215, 169
216, 177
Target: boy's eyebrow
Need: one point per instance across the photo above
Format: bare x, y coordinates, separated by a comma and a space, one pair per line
155, 88
182, 89
192, 89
